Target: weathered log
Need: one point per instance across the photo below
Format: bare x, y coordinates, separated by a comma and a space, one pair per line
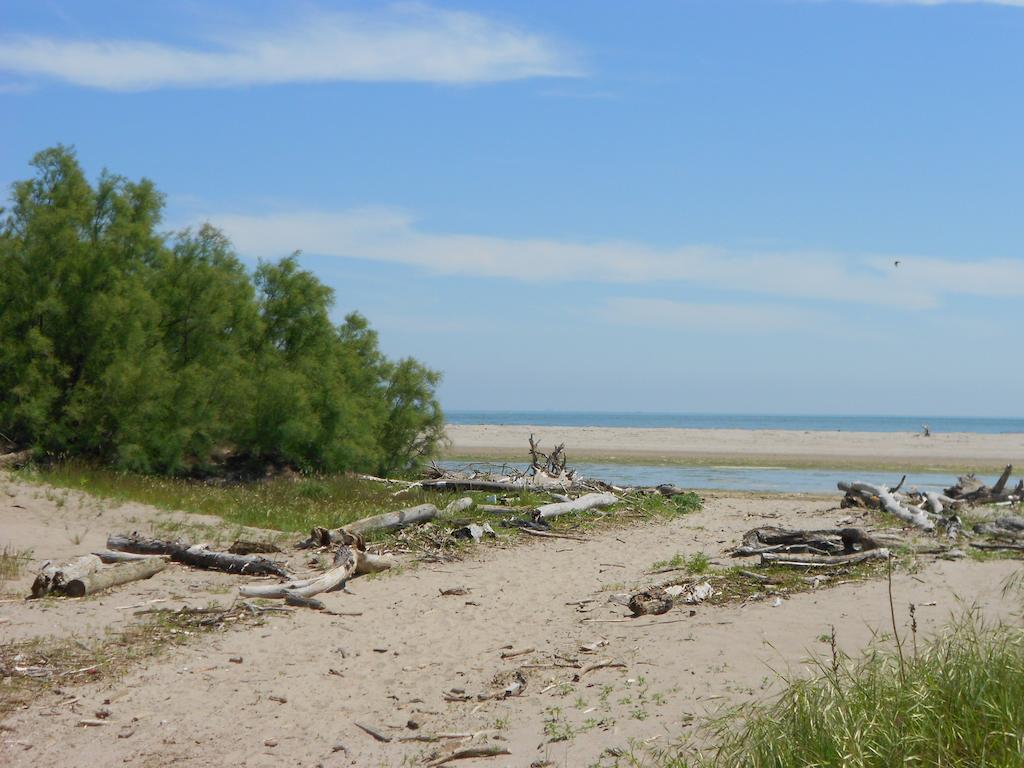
54, 577
140, 545
345, 561
109, 556
997, 489
111, 577
529, 483
582, 504
890, 504
810, 561
198, 556
825, 541
391, 520
1010, 527
998, 545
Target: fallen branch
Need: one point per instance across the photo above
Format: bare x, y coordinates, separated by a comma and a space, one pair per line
468, 752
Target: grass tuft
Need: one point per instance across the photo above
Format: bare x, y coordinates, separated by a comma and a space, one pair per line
959, 704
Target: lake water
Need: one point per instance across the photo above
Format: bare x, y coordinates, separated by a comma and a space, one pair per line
815, 423
767, 479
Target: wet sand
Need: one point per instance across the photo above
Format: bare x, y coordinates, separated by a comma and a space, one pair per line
955, 451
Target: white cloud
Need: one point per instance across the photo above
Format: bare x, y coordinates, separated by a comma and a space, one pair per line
403, 43
392, 236
665, 314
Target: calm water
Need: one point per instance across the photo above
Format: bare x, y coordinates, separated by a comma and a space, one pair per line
768, 479
741, 421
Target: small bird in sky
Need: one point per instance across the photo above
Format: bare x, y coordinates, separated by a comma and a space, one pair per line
896, 263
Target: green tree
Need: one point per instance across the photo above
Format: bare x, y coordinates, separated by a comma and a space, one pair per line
162, 354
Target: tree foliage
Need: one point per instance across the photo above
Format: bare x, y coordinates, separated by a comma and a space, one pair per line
163, 353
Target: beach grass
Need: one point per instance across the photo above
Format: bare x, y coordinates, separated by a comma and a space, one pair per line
299, 503
956, 701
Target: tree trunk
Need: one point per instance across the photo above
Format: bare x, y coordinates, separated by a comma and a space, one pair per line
111, 577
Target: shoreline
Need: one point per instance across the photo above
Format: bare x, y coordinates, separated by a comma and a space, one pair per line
957, 452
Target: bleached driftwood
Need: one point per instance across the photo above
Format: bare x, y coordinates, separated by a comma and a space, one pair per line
582, 504
348, 562
111, 577
810, 561
891, 504
389, 521
333, 579
54, 577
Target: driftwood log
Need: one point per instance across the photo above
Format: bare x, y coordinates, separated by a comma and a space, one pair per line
389, 521
811, 561
97, 581
970, 489
825, 541
348, 562
197, 556
54, 577
888, 501
582, 504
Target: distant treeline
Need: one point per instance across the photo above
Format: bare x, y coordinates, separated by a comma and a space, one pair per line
164, 354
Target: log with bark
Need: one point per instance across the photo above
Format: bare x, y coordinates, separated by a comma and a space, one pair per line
88, 584
197, 556
54, 577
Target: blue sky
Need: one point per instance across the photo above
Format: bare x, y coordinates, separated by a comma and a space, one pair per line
666, 206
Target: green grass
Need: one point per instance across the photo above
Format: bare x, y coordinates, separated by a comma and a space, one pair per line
958, 703
297, 504
12, 562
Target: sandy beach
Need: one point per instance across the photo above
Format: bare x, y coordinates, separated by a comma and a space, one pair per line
291, 690
956, 452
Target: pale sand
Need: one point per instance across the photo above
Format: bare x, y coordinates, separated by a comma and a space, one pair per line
958, 451
192, 707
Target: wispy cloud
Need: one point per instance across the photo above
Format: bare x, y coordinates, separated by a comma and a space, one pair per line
746, 318
392, 236
402, 43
